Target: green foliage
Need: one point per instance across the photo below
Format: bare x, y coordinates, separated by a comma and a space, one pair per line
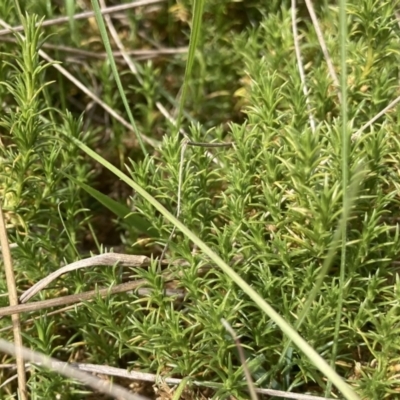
34, 190
269, 205
276, 201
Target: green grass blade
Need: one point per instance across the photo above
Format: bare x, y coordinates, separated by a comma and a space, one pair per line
70, 6
136, 221
351, 195
194, 40
314, 357
345, 174
104, 36
179, 390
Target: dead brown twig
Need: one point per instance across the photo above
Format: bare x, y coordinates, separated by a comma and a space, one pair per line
84, 15
147, 377
139, 54
13, 296
102, 259
96, 383
73, 298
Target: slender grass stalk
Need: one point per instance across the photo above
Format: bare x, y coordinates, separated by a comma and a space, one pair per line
70, 10
106, 41
300, 66
181, 387
83, 15
350, 196
13, 296
194, 40
96, 383
345, 175
247, 374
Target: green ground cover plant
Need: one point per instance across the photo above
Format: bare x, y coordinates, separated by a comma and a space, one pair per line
299, 201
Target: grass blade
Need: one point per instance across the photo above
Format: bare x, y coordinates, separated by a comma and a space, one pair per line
120, 210
345, 175
194, 40
104, 36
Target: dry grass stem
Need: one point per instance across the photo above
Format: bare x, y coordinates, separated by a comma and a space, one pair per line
376, 117
250, 383
73, 298
84, 15
10, 246
13, 297
114, 35
30, 320
98, 384
176, 293
102, 259
137, 54
172, 120
146, 377
210, 145
9, 380
322, 43
300, 66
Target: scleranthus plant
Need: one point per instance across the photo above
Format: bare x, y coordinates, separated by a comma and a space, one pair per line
42, 208
277, 200
269, 204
